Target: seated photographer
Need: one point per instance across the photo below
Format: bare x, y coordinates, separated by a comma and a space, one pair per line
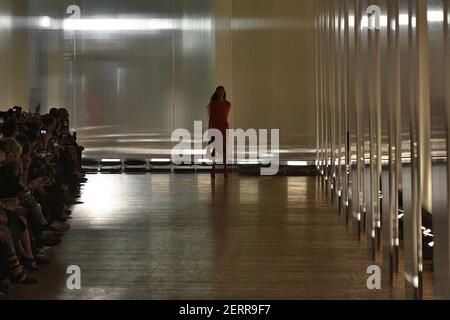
70, 153
42, 173
36, 184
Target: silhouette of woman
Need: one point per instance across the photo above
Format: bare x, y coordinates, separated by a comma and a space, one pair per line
219, 111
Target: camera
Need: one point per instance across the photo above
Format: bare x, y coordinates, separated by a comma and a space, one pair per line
17, 110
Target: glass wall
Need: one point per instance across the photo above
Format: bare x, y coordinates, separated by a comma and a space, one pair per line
382, 108
130, 72
124, 69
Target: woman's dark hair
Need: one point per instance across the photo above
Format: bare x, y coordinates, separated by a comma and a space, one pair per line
24, 142
215, 96
10, 128
47, 120
54, 113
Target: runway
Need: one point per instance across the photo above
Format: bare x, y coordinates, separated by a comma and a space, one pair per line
179, 236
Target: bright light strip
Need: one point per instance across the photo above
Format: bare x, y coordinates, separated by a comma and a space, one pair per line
403, 20
297, 163
435, 16
165, 160
101, 24
248, 162
140, 140
5, 22
122, 24
45, 22
112, 160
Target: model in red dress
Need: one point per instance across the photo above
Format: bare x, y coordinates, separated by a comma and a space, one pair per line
219, 111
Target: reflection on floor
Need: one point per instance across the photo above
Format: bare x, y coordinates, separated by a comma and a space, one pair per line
167, 236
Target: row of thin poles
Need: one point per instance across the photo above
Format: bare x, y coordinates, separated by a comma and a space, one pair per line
375, 122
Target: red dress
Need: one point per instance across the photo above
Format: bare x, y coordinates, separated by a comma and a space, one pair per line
218, 115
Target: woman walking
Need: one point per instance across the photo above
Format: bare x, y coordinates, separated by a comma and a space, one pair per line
219, 110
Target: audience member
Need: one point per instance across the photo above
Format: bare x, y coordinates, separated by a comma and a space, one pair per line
40, 179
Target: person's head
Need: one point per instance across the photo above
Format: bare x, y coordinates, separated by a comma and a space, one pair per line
10, 129
17, 110
53, 113
25, 144
35, 126
12, 150
47, 122
219, 94
63, 115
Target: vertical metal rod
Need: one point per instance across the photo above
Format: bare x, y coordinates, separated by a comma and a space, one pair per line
332, 57
378, 219
359, 188
374, 69
317, 79
326, 94
393, 87
345, 80
322, 92
338, 86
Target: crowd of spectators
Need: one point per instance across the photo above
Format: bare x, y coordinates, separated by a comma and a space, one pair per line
40, 179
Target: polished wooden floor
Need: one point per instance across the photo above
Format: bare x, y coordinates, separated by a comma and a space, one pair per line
169, 236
